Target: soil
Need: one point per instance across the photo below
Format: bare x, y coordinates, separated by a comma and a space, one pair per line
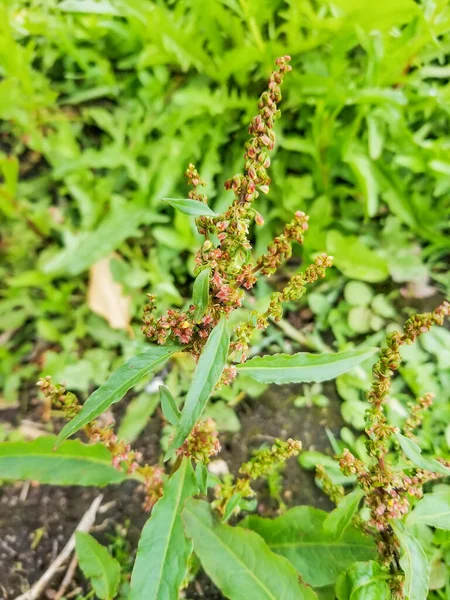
37, 521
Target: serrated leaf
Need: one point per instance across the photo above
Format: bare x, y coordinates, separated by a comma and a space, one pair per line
414, 453
169, 407
363, 581
414, 563
341, 517
163, 551
73, 463
207, 373
303, 366
97, 565
200, 294
239, 561
116, 386
298, 535
187, 206
432, 510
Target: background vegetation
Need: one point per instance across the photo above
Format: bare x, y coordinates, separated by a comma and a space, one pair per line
104, 104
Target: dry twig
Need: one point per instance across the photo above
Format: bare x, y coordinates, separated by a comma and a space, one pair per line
84, 525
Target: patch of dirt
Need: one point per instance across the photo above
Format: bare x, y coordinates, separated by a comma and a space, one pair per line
36, 524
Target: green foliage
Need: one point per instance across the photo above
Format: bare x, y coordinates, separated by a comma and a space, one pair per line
169, 407
73, 463
98, 565
433, 510
414, 453
301, 367
200, 294
207, 373
187, 206
163, 552
414, 563
102, 106
341, 517
101, 115
355, 259
238, 561
363, 581
118, 384
319, 557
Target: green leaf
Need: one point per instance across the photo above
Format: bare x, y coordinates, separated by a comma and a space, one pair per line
169, 407
363, 581
201, 477
298, 535
414, 563
120, 224
366, 178
355, 259
432, 510
138, 412
116, 386
200, 295
209, 369
303, 366
163, 552
97, 565
191, 207
238, 561
95, 7
358, 293
414, 453
73, 464
230, 506
341, 517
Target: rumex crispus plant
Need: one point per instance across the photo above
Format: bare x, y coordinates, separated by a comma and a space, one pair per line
363, 548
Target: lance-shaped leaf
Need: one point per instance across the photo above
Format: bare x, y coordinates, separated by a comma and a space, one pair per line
414, 453
116, 386
200, 294
73, 463
187, 206
341, 517
239, 561
98, 565
163, 552
303, 366
207, 373
363, 581
169, 407
299, 536
433, 510
414, 563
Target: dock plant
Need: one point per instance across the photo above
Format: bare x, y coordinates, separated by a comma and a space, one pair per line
364, 548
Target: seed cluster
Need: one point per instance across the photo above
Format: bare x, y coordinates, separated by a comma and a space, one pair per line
388, 490
228, 258
123, 457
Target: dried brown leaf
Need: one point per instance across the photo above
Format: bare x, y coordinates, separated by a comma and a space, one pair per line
106, 297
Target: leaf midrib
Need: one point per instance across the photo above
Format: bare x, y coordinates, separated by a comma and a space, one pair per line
174, 514
84, 417
326, 544
104, 577
424, 518
234, 556
62, 457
